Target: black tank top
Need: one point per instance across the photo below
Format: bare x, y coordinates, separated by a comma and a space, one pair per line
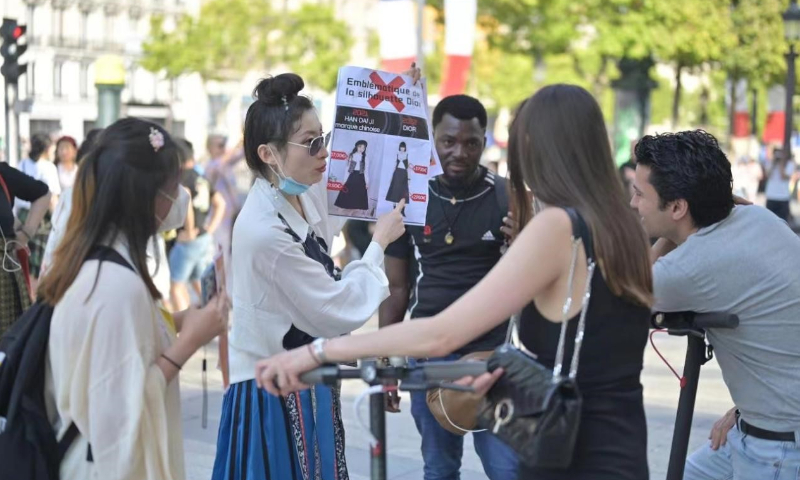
612, 442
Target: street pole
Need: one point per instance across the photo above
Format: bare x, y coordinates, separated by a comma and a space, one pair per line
109, 80
790, 81
13, 147
8, 128
420, 18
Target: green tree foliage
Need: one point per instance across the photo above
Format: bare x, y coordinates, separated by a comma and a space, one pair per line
757, 54
226, 38
315, 44
229, 37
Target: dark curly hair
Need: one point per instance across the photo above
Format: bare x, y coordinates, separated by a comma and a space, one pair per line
689, 165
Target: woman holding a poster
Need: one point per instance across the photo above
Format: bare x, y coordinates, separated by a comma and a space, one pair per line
354, 194
287, 293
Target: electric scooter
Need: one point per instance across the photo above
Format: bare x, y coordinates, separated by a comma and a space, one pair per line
691, 325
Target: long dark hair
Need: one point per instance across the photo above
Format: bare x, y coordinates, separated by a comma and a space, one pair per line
273, 117
559, 148
114, 197
364, 154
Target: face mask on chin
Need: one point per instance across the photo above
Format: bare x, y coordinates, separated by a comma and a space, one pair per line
287, 185
177, 212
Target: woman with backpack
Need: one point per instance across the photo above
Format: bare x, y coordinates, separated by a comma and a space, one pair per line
113, 353
14, 288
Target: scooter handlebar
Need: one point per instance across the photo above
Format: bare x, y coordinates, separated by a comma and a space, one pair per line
716, 320
431, 372
328, 374
448, 371
695, 321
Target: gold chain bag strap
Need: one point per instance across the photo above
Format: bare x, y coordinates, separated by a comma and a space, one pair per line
534, 410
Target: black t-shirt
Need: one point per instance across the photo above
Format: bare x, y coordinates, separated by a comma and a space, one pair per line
443, 271
19, 186
201, 191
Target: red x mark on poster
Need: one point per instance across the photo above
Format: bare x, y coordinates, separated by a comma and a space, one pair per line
384, 95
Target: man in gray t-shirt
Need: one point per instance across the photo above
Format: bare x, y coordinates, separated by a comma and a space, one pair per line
712, 256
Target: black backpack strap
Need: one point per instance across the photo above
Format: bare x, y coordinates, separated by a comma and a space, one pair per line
581, 230
69, 437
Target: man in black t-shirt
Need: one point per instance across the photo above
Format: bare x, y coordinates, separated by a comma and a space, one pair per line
430, 267
194, 249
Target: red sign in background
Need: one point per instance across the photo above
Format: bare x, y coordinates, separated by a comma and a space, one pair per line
338, 155
420, 169
418, 197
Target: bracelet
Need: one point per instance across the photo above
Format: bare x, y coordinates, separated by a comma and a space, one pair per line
313, 353
318, 350
173, 362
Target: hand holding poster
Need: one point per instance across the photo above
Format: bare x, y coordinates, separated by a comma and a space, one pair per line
381, 146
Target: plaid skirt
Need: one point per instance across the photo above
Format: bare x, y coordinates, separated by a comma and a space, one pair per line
38, 242
14, 298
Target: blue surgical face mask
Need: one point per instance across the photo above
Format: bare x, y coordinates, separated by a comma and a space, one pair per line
287, 185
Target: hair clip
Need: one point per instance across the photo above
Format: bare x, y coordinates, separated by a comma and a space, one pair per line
156, 138
285, 103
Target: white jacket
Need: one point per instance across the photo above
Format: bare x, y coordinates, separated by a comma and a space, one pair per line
101, 374
275, 285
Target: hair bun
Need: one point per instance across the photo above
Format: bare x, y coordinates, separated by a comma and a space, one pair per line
278, 90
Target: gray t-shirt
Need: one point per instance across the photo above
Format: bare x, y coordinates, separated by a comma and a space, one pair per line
747, 264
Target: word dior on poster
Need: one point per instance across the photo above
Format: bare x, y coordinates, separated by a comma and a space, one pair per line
382, 146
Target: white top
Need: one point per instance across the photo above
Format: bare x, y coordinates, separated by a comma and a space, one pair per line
778, 188
101, 374
67, 177
43, 170
357, 157
276, 285
402, 157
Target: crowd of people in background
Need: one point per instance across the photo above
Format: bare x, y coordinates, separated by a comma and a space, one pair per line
217, 192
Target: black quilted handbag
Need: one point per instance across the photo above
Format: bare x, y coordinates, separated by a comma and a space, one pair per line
534, 410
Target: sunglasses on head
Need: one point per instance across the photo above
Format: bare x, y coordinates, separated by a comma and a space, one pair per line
316, 144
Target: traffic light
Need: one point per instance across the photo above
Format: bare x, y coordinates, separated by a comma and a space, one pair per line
11, 50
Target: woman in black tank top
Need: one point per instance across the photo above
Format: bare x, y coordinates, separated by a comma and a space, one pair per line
559, 149
612, 441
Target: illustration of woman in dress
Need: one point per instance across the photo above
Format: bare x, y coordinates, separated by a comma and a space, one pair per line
398, 188
354, 194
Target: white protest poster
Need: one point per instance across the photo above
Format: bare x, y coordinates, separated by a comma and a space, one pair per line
381, 146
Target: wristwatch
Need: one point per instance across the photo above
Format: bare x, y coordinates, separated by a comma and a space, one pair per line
318, 350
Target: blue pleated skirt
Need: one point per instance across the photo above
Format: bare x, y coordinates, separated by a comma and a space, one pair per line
264, 437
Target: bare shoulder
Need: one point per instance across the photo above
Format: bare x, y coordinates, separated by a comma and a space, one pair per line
551, 222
